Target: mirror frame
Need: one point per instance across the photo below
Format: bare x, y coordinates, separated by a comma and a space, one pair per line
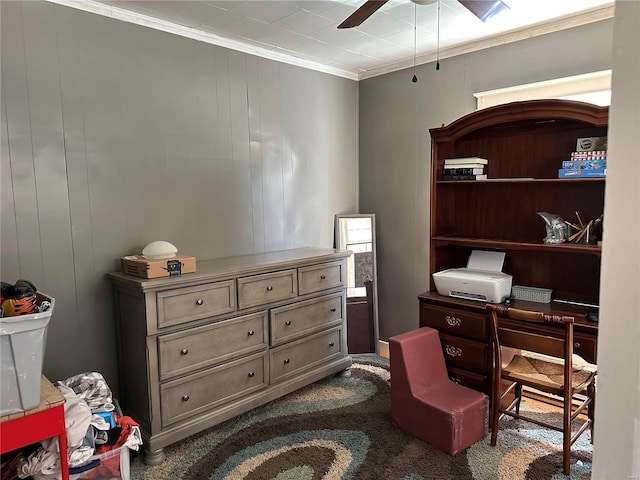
336, 230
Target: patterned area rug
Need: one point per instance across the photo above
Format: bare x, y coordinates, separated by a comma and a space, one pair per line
340, 429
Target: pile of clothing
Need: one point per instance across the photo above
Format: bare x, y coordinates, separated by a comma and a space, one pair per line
94, 426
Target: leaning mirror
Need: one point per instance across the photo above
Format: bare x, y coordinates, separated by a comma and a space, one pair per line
357, 233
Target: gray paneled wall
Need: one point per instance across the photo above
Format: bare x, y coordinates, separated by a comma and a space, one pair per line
115, 135
395, 118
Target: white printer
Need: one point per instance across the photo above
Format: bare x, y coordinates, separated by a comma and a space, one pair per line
481, 280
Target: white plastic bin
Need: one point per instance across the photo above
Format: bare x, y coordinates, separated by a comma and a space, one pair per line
22, 343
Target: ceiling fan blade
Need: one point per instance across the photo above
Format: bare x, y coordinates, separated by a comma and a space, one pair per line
484, 9
363, 12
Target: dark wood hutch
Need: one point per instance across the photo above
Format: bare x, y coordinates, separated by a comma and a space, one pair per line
525, 144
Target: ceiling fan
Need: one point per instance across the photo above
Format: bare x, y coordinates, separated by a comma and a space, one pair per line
483, 9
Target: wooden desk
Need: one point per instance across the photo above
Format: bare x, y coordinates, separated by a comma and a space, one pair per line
45, 421
465, 335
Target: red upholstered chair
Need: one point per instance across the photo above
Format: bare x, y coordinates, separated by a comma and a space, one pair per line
425, 402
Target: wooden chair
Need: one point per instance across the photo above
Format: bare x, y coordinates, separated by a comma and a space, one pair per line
558, 375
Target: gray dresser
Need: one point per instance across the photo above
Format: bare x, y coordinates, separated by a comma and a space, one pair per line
198, 349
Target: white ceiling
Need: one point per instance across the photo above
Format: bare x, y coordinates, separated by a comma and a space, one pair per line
303, 32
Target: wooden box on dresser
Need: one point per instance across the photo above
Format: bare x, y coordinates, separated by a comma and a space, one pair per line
525, 144
197, 349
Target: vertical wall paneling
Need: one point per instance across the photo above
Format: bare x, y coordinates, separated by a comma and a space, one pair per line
22, 170
255, 151
233, 103
271, 153
115, 135
8, 263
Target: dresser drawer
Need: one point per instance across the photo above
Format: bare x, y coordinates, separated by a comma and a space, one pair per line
196, 348
456, 322
203, 391
267, 288
316, 278
302, 318
295, 357
466, 354
184, 305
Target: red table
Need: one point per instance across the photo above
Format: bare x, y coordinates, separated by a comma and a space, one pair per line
20, 429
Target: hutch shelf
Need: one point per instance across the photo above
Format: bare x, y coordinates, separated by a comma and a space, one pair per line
525, 144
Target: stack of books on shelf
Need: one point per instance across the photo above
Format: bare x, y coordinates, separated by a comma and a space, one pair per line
589, 160
464, 168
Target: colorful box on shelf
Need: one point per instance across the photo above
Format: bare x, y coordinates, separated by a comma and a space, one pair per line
600, 154
580, 164
590, 144
582, 173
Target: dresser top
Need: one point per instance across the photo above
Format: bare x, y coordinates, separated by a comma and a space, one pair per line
208, 270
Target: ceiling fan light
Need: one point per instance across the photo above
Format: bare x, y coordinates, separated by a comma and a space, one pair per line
424, 2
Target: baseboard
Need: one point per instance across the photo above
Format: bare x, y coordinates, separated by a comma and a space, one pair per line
383, 348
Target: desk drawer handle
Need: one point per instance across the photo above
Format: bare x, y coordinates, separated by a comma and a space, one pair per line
185, 398
269, 288
453, 351
576, 345
333, 309
251, 333
199, 301
323, 277
287, 323
453, 321
251, 374
184, 351
286, 360
331, 344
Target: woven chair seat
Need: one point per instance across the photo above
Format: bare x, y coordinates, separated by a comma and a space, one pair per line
531, 370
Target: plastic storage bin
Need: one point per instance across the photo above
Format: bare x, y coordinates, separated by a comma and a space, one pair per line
114, 464
22, 345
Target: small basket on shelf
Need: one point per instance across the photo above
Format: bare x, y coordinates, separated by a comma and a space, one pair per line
531, 294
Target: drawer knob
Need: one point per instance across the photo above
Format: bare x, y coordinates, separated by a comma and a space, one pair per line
251, 374
269, 288
576, 345
333, 309
323, 277
251, 332
185, 398
452, 321
184, 351
287, 323
199, 301
286, 360
453, 351
331, 344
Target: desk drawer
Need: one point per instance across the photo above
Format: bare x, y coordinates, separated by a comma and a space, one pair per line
184, 305
203, 391
300, 355
466, 354
586, 346
302, 318
469, 379
316, 278
456, 322
200, 347
267, 288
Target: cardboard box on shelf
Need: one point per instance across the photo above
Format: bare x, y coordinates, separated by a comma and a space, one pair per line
140, 266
